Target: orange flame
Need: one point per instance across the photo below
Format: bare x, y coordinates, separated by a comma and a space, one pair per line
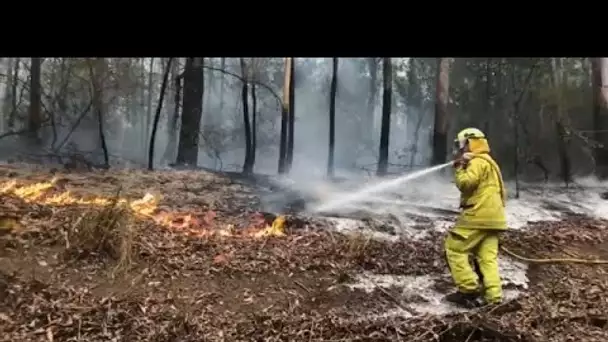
193, 223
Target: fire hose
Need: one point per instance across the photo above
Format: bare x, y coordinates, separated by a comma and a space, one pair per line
544, 260
554, 260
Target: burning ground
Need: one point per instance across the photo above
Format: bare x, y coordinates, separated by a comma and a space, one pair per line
192, 256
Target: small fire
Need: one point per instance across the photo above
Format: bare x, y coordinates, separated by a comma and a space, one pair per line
277, 228
193, 223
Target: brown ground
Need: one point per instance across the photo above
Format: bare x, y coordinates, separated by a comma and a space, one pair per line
193, 284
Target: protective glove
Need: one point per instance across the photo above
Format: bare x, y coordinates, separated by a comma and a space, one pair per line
462, 160
467, 156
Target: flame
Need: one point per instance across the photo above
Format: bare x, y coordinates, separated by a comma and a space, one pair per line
193, 223
277, 228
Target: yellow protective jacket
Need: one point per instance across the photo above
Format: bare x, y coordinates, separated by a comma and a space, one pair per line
483, 194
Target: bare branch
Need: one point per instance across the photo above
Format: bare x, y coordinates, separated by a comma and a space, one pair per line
242, 79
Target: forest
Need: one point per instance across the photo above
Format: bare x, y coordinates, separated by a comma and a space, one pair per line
545, 117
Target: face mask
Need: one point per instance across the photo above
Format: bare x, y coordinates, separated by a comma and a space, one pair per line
459, 146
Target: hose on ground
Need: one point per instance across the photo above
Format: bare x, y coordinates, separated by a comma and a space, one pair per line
554, 260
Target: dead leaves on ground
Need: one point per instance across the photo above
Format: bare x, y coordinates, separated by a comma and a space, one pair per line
201, 237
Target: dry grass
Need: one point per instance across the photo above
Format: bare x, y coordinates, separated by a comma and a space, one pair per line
357, 246
104, 232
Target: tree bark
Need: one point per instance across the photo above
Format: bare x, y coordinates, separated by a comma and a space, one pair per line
560, 124
372, 65
254, 129
488, 101
15, 79
292, 115
140, 113
285, 118
247, 165
35, 116
159, 108
170, 150
600, 115
96, 72
440, 126
332, 117
192, 109
209, 114
414, 103
387, 81
150, 94
6, 101
222, 80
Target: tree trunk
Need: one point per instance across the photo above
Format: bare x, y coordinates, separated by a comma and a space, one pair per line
515, 119
209, 114
140, 113
187, 152
488, 101
254, 113
440, 126
285, 117
560, 124
170, 150
62, 94
292, 116
600, 115
387, 81
6, 101
368, 128
150, 94
15, 81
159, 108
414, 105
35, 116
332, 117
247, 166
96, 73
222, 80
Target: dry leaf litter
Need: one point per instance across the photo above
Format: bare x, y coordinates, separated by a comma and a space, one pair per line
187, 256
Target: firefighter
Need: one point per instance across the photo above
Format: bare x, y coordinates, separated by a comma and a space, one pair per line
477, 228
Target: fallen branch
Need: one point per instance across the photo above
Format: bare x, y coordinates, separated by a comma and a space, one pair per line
74, 126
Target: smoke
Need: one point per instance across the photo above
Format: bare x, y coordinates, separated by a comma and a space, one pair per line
312, 79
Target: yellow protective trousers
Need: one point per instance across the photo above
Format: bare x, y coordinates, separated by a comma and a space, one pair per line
483, 245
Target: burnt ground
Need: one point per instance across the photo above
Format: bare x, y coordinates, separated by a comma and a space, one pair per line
197, 270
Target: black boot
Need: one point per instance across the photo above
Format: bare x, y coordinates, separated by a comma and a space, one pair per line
466, 300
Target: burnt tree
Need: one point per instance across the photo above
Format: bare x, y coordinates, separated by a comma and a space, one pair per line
192, 109
440, 124
285, 117
387, 81
561, 122
292, 116
159, 108
332, 117
414, 101
488, 101
149, 95
170, 149
6, 101
97, 70
35, 115
372, 65
14, 82
600, 115
222, 81
248, 164
254, 123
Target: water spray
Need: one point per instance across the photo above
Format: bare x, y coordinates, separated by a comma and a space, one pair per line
362, 193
